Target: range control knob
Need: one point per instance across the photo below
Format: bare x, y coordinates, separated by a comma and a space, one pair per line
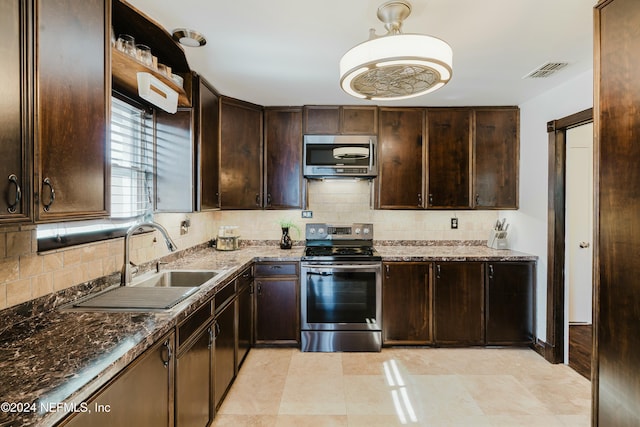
320, 230
312, 231
358, 231
366, 231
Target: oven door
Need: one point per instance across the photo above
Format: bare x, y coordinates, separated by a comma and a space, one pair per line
337, 296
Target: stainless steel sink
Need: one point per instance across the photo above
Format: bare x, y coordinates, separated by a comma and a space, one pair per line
174, 278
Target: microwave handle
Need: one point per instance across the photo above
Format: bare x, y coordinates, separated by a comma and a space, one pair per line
371, 154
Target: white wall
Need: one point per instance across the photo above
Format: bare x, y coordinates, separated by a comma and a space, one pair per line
528, 229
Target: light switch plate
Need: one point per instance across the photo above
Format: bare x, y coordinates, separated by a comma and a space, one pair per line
454, 223
307, 214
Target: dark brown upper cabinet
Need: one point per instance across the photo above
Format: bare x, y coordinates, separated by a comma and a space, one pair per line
401, 159
496, 158
207, 103
449, 158
335, 120
283, 158
240, 154
15, 172
72, 109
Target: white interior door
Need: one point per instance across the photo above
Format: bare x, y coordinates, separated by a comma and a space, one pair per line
579, 225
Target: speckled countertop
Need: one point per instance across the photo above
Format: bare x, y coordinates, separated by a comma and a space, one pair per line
48, 356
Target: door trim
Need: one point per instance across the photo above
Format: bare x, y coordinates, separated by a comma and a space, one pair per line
557, 131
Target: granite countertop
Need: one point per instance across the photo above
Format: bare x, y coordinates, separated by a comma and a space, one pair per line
50, 356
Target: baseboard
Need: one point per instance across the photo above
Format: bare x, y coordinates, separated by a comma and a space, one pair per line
540, 347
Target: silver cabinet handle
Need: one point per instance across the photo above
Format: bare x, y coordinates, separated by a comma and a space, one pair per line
52, 194
584, 245
13, 207
167, 346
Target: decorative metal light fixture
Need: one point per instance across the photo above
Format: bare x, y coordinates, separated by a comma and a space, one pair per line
188, 37
395, 65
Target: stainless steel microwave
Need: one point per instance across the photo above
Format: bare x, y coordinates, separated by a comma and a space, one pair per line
335, 156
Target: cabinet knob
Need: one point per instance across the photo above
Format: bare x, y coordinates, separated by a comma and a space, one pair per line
430, 199
268, 199
257, 199
477, 199
13, 179
419, 199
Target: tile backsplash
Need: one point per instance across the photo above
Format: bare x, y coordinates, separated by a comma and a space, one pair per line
25, 274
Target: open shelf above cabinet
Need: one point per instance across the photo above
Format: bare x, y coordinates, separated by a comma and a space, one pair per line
124, 71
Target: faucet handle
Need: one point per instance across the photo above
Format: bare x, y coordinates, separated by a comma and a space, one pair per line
158, 264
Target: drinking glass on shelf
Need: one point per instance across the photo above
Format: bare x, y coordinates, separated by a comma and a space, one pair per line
143, 54
126, 44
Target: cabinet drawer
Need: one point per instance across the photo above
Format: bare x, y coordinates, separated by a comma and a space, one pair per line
245, 278
224, 295
277, 269
193, 323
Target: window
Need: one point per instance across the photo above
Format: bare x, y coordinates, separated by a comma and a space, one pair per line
131, 161
132, 182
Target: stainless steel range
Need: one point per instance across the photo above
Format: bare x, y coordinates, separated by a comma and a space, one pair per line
341, 289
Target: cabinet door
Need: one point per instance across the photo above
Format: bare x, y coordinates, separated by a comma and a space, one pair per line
14, 127
224, 357
240, 155
208, 147
400, 154
245, 322
72, 102
321, 120
406, 303
140, 396
276, 312
449, 165
509, 312
359, 120
283, 158
174, 161
458, 303
193, 403
496, 158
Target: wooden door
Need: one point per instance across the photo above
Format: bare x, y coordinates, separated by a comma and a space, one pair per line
240, 154
449, 158
509, 302
617, 36
321, 119
277, 310
15, 179
283, 158
224, 362
72, 102
400, 154
406, 303
358, 120
141, 395
496, 158
193, 382
208, 147
458, 295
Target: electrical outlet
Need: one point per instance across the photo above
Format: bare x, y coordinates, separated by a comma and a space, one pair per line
307, 214
454, 223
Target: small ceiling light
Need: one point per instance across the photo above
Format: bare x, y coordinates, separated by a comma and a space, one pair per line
396, 65
188, 37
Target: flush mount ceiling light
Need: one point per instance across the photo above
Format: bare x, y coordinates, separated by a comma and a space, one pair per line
395, 65
187, 37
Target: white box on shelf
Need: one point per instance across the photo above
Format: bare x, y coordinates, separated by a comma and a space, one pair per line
150, 88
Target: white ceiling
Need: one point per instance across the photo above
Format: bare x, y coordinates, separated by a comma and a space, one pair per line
286, 52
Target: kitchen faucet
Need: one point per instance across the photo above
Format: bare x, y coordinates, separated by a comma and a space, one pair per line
125, 274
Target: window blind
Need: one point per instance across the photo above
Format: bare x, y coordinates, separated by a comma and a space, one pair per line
131, 161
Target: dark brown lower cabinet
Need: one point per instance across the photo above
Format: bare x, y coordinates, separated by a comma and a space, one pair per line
193, 382
245, 320
406, 303
277, 305
510, 308
458, 293
224, 355
141, 396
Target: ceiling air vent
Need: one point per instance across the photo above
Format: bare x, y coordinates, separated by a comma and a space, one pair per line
546, 70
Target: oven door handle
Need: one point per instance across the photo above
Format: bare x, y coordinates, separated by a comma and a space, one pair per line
320, 273
330, 269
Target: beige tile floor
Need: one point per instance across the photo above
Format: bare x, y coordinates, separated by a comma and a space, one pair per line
425, 387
